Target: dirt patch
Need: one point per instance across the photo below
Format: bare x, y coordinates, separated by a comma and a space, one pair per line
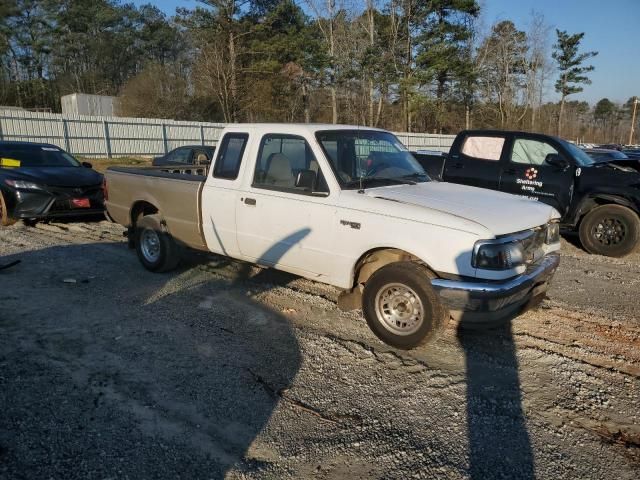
220, 370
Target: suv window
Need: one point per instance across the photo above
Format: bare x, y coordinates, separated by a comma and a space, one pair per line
531, 152
482, 147
179, 155
280, 159
230, 156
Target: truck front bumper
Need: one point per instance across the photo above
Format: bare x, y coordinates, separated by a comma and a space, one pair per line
486, 302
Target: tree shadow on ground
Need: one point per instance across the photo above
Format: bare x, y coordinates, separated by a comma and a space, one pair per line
132, 374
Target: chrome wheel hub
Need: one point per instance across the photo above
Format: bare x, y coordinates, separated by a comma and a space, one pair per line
399, 309
150, 245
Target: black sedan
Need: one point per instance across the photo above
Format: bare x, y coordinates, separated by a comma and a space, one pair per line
186, 155
41, 181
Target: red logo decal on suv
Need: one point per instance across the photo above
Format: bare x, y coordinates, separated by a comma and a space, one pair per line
531, 173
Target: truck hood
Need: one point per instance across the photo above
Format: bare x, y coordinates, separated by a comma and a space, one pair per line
498, 212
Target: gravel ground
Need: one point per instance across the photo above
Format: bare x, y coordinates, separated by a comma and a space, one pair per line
222, 370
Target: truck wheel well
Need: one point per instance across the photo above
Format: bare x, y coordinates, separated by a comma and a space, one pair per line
141, 209
375, 259
599, 200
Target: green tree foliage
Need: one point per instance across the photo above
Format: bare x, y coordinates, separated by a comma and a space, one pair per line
571, 66
411, 65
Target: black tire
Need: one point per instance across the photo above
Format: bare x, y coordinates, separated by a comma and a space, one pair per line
159, 255
418, 328
30, 222
5, 219
610, 230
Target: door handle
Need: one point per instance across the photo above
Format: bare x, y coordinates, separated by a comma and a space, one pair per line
250, 201
511, 171
458, 165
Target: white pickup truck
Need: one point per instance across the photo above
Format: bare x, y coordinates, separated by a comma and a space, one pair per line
347, 206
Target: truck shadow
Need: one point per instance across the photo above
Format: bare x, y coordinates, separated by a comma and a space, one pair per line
157, 376
499, 444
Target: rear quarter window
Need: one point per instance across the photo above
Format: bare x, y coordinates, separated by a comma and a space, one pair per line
483, 147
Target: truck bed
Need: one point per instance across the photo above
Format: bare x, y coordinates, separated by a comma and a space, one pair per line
167, 189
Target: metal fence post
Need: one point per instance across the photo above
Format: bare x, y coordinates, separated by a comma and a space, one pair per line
65, 135
202, 134
107, 141
164, 138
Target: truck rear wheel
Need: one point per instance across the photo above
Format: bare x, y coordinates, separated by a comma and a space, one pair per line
5, 220
156, 249
610, 230
401, 307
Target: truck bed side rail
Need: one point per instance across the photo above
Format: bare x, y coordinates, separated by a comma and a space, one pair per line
193, 173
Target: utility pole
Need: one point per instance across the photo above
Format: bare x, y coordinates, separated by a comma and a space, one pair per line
633, 119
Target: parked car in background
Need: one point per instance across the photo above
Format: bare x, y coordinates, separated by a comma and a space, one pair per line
599, 199
41, 181
632, 153
599, 154
610, 146
186, 155
348, 206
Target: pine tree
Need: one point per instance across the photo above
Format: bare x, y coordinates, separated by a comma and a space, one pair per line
572, 71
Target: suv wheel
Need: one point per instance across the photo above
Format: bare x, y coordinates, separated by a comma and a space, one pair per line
610, 230
401, 307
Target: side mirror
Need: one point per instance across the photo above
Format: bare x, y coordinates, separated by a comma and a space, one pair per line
557, 161
87, 165
306, 179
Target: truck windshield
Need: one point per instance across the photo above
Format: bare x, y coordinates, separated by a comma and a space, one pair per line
369, 158
37, 156
580, 156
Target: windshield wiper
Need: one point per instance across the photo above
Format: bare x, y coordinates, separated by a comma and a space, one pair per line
417, 175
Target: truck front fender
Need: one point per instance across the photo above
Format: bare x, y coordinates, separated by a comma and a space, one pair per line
596, 199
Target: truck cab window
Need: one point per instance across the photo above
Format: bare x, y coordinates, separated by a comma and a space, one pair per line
531, 152
484, 148
281, 159
230, 156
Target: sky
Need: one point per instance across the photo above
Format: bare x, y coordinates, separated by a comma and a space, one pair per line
611, 28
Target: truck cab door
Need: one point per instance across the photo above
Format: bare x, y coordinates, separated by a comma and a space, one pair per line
221, 192
475, 160
537, 169
285, 213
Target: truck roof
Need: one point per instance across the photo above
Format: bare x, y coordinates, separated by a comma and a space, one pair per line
489, 131
295, 127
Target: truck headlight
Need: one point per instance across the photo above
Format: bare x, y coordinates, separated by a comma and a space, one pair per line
553, 233
497, 255
24, 185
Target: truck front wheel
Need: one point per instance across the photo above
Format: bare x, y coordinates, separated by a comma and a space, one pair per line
610, 230
156, 249
401, 307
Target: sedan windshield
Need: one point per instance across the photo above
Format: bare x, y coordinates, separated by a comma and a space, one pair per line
369, 158
37, 156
